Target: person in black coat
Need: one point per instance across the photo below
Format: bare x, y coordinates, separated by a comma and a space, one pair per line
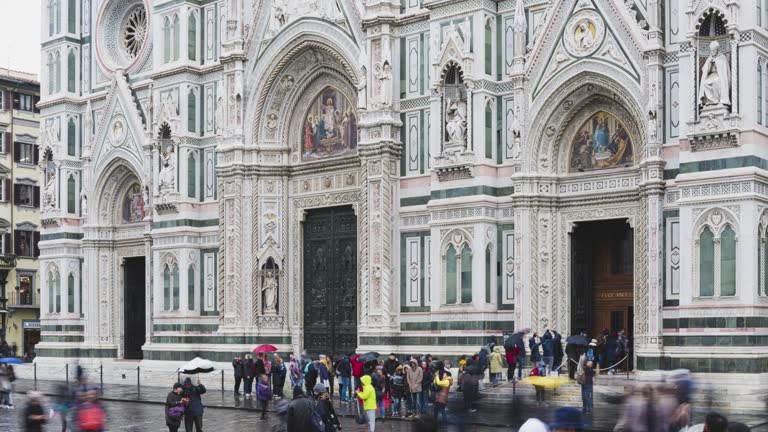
557, 342
194, 412
237, 365
534, 343
34, 414
174, 399
325, 409
548, 349
299, 414
249, 368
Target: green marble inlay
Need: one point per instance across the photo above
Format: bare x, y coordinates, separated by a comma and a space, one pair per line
708, 365
65, 338
186, 327
62, 235
60, 328
457, 325
708, 341
76, 352
413, 201
716, 322
721, 164
218, 356
671, 173
473, 341
194, 223
224, 340
456, 193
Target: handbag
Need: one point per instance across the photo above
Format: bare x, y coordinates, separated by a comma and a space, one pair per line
176, 411
361, 417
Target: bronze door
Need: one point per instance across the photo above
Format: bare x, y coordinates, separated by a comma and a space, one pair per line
135, 308
330, 281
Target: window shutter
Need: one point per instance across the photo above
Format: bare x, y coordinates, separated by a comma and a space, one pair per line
17, 244
16, 189
7, 143
7, 101
37, 196
7, 243
37, 154
36, 241
16, 151
16, 101
36, 101
7, 190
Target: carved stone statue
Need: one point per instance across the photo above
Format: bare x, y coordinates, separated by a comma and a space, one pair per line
385, 76
362, 93
270, 293
49, 193
456, 121
219, 115
715, 85
83, 205
167, 172
279, 17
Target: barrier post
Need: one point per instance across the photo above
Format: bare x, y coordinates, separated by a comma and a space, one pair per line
34, 366
222, 381
101, 379
138, 380
178, 377
66, 374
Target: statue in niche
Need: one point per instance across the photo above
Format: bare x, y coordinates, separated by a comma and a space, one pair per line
83, 204
167, 170
219, 116
279, 17
269, 291
456, 120
385, 77
714, 88
49, 194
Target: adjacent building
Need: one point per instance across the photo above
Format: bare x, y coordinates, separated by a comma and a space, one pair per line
405, 176
20, 208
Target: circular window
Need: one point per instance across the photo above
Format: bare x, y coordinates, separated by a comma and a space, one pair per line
135, 31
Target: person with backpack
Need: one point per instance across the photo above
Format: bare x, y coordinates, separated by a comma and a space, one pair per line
397, 389
90, 415
263, 394
249, 369
310, 377
368, 395
174, 408
301, 415
194, 413
344, 373
324, 408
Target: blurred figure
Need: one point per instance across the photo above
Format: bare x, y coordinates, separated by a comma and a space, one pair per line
378, 380
470, 387
540, 391
344, 373
249, 369
397, 389
497, 365
424, 424
737, 427
557, 342
299, 413
263, 394
279, 371
294, 372
174, 408
443, 381
548, 348
587, 388
323, 377
194, 413
568, 419
34, 413
237, 365
5, 388
534, 343
368, 395
64, 403
533, 425
90, 415
325, 409
426, 385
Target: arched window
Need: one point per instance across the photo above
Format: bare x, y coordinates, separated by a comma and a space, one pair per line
191, 111
466, 274
71, 137
166, 287
71, 16
175, 277
759, 90
71, 194
71, 293
488, 48
488, 131
706, 263
175, 51
191, 288
728, 262
166, 40
192, 37
58, 72
57, 290
51, 293
488, 276
765, 95
191, 174
71, 71
51, 17
451, 281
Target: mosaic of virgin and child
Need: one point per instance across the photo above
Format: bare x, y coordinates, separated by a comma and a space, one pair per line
330, 127
601, 142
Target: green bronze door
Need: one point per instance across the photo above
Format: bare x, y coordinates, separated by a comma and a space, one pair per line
330, 281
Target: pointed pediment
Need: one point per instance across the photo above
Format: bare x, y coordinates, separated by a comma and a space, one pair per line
453, 52
119, 129
585, 35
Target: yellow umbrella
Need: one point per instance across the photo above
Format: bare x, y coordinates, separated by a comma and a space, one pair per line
547, 381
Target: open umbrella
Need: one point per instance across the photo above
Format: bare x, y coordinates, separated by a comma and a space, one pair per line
264, 348
513, 340
369, 356
10, 360
546, 381
196, 366
577, 340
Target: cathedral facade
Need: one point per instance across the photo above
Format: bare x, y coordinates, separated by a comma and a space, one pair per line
409, 176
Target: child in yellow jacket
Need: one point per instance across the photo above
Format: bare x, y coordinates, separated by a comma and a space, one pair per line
368, 395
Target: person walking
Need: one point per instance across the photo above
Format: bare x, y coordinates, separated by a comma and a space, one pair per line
368, 395
249, 370
194, 413
279, 372
174, 408
587, 383
557, 342
443, 381
548, 352
378, 381
534, 343
497, 365
34, 413
294, 371
237, 365
325, 410
568, 419
397, 389
414, 375
300, 412
344, 372
90, 415
357, 369
263, 394
510, 356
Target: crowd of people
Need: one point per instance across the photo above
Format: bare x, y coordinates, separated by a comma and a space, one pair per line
78, 409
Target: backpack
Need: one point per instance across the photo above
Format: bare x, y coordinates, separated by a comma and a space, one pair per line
310, 373
90, 418
317, 422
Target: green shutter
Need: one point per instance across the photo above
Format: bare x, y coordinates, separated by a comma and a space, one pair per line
488, 50
450, 275
50, 292
728, 262
488, 278
488, 132
166, 41
706, 263
759, 92
58, 292
466, 274
72, 15
71, 136
191, 179
175, 37
71, 62
191, 112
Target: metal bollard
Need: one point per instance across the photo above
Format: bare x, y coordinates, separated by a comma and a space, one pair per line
138, 380
101, 379
178, 377
34, 366
66, 374
222, 382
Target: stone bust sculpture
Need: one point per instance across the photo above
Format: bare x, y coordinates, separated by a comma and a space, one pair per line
714, 88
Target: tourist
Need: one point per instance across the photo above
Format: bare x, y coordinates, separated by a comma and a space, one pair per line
174, 408
534, 343
426, 387
34, 413
300, 412
322, 370
520, 358
357, 369
510, 354
263, 394
591, 352
390, 366
90, 415
368, 395
568, 419
344, 372
279, 372
397, 389
237, 365
267, 368
611, 351
414, 376
539, 372
548, 355
249, 368
5, 388
557, 342
497, 365
443, 381
378, 381
194, 413
259, 367
310, 376
602, 350
470, 387
325, 409
294, 370
331, 375
587, 382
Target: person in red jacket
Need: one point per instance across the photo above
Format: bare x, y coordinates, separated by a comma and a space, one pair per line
510, 356
357, 369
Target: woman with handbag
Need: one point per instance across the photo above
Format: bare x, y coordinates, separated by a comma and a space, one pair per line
174, 408
443, 381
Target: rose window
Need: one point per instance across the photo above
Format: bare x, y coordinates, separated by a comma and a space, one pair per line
135, 31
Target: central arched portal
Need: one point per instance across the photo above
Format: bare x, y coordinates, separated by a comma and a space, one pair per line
330, 280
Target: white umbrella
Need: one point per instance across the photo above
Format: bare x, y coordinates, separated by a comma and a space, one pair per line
196, 366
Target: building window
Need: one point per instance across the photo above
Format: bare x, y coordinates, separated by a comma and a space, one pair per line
175, 51
71, 137
26, 243
706, 263
171, 286
57, 62
192, 37
488, 276
71, 293
23, 102
26, 287
175, 276
71, 15
191, 174
54, 291
166, 40
762, 253
27, 195
458, 270
728, 262
488, 49
488, 130
51, 17
450, 275
71, 68
759, 90
51, 74
26, 153
191, 111
166, 287
191, 288
71, 194
716, 255
466, 274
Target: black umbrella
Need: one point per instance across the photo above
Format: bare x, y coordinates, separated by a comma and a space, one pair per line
369, 356
513, 340
577, 340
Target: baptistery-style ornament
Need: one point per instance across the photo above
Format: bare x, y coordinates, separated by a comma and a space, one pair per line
122, 35
584, 33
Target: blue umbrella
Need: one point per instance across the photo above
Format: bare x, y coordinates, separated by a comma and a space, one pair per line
10, 360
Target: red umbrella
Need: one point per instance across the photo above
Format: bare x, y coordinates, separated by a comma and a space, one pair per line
265, 348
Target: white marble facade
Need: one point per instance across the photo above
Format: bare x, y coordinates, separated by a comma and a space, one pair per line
467, 130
